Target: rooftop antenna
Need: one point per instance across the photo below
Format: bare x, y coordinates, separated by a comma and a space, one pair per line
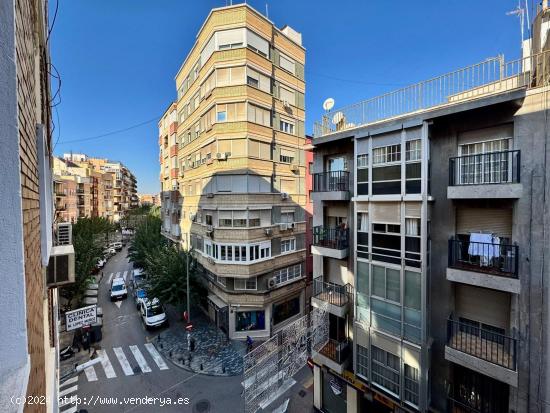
520, 12
266, 11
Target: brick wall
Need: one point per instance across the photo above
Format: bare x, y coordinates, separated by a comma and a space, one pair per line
27, 44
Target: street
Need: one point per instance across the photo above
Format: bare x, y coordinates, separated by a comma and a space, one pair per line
132, 368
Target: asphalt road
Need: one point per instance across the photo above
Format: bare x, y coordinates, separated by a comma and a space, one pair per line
135, 379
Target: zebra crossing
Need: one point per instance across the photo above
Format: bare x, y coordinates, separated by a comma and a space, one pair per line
67, 395
126, 358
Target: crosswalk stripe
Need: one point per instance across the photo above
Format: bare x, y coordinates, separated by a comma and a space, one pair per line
90, 373
71, 409
110, 278
69, 381
68, 391
139, 358
64, 401
106, 363
156, 356
123, 361
124, 275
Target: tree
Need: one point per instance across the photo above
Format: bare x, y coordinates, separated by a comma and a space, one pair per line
89, 238
147, 240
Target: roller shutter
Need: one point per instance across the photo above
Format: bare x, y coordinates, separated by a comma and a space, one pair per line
483, 305
497, 221
386, 212
412, 209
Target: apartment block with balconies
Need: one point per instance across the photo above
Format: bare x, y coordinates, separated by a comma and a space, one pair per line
233, 169
447, 242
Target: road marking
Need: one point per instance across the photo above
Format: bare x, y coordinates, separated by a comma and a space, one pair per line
124, 275
139, 358
67, 391
67, 400
70, 381
106, 363
118, 303
90, 373
156, 356
123, 361
71, 409
110, 278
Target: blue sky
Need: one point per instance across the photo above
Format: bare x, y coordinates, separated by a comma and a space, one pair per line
117, 59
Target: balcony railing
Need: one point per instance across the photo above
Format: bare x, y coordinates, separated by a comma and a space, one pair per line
337, 351
335, 238
331, 293
491, 76
489, 258
331, 181
482, 343
485, 168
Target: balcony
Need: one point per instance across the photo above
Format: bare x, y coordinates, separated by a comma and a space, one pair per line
482, 350
330, 242
334, 354
331, 186
491, 175
484, 265
337, 297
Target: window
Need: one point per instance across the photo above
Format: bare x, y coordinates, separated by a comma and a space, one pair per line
286, 126
259, 115
363, 235
287, 95
387, 154
363, 161
221, 280
285, 310
386, 283
485, 169
287, 217
258, 80
412, 297
246, 284
249, 320
386, 243
259, 149
288, 245
230, 112
363, 361
412, 384
257, 43
413, 150
221, 113
363, 291
230, 39
412, 242
287, 155
385, 370
287, 274
229, 76
287, 63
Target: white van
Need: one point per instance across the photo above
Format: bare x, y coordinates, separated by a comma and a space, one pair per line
118, 289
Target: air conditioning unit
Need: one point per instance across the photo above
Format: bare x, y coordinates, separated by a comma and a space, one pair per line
60, 270
284, 195
294, 168
210, 195
221, 156
64, 234
291, 225
209, 228
283, 226
272, 282
268, 232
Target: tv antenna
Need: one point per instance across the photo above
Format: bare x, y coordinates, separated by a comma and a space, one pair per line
520, 12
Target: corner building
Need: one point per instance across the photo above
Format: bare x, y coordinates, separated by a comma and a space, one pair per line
233, 169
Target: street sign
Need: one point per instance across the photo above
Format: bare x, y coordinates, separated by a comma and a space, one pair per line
81, 317
189, 327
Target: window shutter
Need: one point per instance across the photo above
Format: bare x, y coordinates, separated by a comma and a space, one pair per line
275, 56
276, 89
299, 70
300, 128
276, 121
300, 100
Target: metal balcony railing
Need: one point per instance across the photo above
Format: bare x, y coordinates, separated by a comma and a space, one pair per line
491, 76
485, 168
335, 238
331, 293
482, 343
331, 181
337, 351
495, 259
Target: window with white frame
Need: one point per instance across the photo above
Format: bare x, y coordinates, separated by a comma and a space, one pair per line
385, 370
363, 174
286, 126
287, 274
412, 242
363, 361
238, 253
363, 235
386, 154
287, 63
246, 284
413, 150
288, 245
230, 39
258, 80
287, 155
287, 217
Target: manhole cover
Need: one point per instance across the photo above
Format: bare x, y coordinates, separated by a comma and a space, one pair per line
202, 406
302, 393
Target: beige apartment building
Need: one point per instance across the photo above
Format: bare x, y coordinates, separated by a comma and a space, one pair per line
233, 169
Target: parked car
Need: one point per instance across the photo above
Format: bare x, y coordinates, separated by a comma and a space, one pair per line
118, 289
138, 277
140, 295
101, 263
109, 252
153, 314
117, 246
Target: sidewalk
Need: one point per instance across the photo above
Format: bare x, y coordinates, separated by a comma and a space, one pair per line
213, 355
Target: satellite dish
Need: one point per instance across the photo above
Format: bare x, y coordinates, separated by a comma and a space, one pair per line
337, 118
328, 104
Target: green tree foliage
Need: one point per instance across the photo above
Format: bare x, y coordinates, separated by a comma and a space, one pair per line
89, 238
147, 240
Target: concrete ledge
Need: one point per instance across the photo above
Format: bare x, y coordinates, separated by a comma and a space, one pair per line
330, 196
339, 311
495, 371
330, 252
504, 191
331, 364
494, 282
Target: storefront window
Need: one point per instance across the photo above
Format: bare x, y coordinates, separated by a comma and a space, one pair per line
249, 320
285, 310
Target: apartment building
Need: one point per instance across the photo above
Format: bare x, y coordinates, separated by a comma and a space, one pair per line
28, 300
233, 169
65, 191
429, 243
148, 199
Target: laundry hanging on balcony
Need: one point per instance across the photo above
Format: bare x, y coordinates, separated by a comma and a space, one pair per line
484, 246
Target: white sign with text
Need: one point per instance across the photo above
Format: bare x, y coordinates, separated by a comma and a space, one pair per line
81, 317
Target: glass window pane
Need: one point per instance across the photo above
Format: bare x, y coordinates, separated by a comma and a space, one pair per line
362, 277
378, 281
413, 295
392, 285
